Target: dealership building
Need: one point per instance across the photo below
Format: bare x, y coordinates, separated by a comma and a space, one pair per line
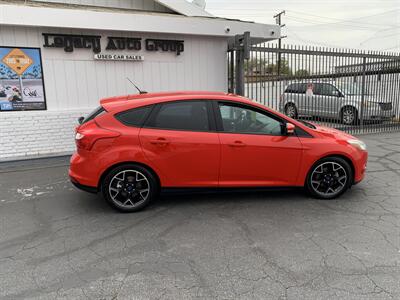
58, 58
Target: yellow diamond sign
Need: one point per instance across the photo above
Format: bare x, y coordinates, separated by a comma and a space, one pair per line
17, 61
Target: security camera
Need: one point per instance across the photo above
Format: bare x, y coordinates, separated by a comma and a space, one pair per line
227, 30
272, 32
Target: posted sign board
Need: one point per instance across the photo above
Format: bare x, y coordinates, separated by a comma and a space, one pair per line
21, 79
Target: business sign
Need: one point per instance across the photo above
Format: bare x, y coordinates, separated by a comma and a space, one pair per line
18, 61
21, 79
69, 42
124, 57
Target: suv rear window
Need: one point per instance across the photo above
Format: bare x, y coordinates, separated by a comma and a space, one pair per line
134, 117
98, 111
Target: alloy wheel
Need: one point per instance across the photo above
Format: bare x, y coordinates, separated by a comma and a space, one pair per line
129, 189
329, 179
348, 116
290, 111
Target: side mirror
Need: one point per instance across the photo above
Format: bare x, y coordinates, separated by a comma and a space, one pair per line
290, 128
80, 120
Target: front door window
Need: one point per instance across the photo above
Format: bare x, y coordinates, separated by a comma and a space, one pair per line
237, 119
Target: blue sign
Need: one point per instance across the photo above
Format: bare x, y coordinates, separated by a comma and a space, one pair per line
5, 105
22, 91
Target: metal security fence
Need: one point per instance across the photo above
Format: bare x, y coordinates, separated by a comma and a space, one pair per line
351, 90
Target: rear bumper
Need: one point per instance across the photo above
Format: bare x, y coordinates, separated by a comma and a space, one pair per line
82, 172
86, 188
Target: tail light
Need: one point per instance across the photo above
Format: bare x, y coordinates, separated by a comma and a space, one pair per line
86, 136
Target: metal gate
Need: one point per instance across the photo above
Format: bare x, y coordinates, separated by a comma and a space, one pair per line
351, 90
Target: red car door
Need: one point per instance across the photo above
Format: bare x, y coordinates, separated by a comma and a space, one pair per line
254, 152
179, 142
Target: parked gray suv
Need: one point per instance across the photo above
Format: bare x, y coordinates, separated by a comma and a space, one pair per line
342, 101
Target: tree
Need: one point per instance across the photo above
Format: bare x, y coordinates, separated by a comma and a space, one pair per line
284, 69
255, 65
261, 66
302, 73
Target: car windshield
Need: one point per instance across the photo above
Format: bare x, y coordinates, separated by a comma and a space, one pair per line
351, 89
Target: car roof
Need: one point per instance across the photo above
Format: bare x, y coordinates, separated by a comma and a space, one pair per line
131, 101
158, 95
123, 103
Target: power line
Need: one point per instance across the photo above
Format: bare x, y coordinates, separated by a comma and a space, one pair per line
297, 37
351, 23
378, 37
352, 20
395, 47
317, 23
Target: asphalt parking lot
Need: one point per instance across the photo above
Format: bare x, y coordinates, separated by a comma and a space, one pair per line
58, 242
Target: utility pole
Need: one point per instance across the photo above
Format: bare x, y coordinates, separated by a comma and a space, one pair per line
278, 18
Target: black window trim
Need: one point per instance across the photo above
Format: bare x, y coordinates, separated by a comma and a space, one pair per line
132, 109
210, 116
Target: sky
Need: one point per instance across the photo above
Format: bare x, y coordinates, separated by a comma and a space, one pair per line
360, 24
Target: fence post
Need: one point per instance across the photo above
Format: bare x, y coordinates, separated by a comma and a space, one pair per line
231, 72
242, 47
363, 92
239, 76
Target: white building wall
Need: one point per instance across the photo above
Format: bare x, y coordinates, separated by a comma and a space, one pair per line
74, 83
147, 5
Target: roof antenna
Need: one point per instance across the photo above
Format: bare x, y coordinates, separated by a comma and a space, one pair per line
139, 90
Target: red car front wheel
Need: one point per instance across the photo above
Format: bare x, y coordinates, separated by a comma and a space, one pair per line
329, 178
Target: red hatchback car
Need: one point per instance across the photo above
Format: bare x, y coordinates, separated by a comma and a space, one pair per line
131, 147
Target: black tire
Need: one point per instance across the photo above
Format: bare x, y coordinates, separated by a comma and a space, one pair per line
291, 111
334, 183
345, 114
120, 188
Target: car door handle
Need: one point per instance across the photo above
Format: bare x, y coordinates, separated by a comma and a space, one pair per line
159, 141
237, 144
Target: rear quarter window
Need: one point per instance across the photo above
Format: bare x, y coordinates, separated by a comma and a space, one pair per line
134, 117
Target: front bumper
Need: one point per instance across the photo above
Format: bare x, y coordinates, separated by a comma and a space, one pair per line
360, 166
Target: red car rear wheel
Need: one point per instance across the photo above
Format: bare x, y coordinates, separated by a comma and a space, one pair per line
129, 187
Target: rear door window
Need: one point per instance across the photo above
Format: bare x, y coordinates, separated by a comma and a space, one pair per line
181, 115
326, 89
